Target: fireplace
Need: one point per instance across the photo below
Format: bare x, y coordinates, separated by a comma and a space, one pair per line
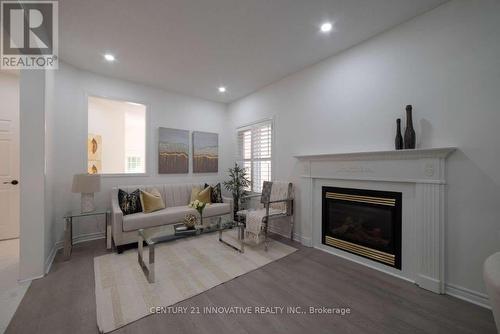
363, 222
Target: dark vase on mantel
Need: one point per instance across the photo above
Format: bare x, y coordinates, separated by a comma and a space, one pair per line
409, 140
399, 137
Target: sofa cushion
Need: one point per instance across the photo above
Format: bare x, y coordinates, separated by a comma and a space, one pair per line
216, 209
170, 216
178, 194
166, 216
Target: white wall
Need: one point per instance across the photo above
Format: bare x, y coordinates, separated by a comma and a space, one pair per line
165, 109
32, 178
49, 171
445, 63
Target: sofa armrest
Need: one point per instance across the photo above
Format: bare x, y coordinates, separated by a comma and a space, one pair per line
230, 201
116, 219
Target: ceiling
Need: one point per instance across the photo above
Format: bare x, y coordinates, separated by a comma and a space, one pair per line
194, 46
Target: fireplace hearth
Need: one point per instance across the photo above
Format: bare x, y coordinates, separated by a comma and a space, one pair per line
363, 222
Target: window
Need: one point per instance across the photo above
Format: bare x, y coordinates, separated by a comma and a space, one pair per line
134, 165
255, 151
116, 136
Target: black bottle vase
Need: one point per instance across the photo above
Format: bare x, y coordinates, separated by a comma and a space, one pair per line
409, 139
399, 137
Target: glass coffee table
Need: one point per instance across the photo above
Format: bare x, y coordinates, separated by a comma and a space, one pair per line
154, 235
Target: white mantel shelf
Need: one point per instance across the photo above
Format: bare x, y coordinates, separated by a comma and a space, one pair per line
419, 174
421, 153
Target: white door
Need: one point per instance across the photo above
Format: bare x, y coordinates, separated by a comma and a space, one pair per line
9, 156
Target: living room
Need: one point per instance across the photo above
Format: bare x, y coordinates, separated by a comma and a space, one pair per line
224, 166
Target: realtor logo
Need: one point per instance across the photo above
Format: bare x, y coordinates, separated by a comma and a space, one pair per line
29, 35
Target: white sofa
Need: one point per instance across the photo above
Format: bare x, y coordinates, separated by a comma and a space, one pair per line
176, 198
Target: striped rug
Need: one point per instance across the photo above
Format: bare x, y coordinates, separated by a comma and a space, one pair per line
183, 268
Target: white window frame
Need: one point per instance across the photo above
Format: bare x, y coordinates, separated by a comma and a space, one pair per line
252, 159
147, 152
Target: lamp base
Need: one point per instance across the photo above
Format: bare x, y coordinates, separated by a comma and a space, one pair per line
87, 202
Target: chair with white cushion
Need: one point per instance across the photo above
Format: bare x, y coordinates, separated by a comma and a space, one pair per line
276, 202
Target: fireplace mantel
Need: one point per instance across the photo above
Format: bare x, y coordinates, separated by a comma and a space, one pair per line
420, 153
414, 166
419, 173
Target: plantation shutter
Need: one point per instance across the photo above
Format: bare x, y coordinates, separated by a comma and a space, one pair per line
255, 152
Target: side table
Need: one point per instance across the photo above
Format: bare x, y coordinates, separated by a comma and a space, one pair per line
68, 228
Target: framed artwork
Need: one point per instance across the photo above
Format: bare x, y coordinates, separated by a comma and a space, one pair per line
94, 167
205, 152
173, 151
94, 154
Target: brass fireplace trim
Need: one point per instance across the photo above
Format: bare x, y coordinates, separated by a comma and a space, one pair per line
374, 254
362, 199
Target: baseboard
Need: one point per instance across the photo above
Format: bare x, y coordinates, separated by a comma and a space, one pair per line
20, 281
60, 245
468, 295
304, 241
296, 237
459, 292
465, 294
50, 258
429, 283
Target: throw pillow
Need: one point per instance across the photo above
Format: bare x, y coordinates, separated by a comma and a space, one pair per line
204, 195
151, 201
194, 193
129, 203
201, 195
216, 193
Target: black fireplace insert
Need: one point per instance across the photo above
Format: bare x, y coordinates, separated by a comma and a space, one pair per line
363, 222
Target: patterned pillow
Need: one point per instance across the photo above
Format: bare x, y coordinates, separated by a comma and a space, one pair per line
129, 203
216, 195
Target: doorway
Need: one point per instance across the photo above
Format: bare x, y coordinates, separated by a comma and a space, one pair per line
9, 156
11, 292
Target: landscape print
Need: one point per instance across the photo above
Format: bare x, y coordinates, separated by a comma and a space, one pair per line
205, 152
173, 151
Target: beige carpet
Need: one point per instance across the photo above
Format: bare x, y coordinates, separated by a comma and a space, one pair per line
183, 268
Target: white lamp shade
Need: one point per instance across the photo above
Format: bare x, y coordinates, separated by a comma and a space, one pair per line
86, 183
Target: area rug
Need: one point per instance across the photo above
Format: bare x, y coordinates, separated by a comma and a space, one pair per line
183, 268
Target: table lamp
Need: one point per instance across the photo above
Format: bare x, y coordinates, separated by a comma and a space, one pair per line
87, 185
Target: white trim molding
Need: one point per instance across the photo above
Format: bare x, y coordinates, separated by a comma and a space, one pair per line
468, 295
418, 174
420, 153
296, 236
60, 245
50, 259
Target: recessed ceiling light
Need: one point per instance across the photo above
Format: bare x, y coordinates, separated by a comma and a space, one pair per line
109, 57
222, 89
326, 27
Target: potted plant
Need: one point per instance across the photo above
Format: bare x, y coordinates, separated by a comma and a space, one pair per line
236, 184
